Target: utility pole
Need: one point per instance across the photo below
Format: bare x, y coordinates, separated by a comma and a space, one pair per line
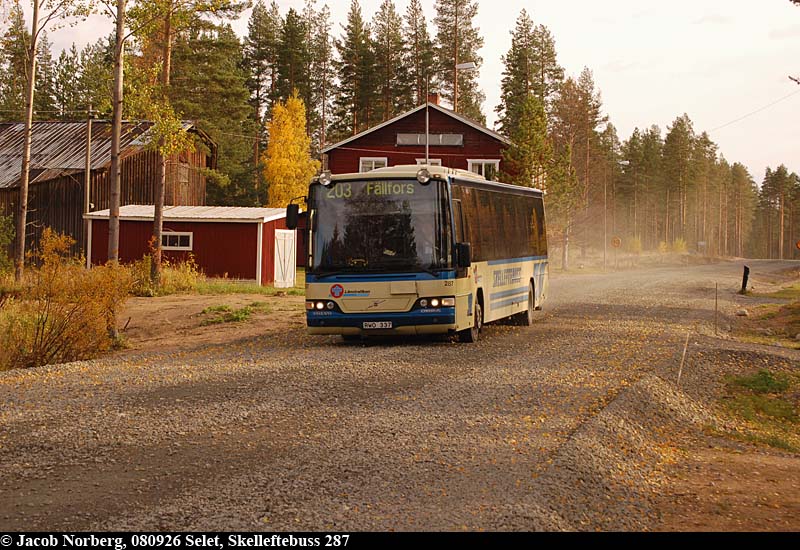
605, 215
469, 66
87, 180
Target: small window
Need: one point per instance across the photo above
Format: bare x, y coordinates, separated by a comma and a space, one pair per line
368, 164
177, 241
488, 168
434, 140
183, 173
431, 162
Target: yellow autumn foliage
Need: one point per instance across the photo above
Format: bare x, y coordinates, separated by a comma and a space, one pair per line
61, 311
289, 166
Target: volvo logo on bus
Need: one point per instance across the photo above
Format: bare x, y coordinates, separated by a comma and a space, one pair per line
337, 291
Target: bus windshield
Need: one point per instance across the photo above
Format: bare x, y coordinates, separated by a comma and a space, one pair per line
380, 226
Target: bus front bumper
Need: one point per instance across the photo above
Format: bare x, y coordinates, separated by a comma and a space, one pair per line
438, 321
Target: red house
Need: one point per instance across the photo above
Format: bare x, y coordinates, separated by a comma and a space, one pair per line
454, 141
250, 244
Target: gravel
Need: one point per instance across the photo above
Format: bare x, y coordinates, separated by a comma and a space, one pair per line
565, 425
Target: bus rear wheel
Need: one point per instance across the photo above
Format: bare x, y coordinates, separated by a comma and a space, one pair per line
526, 317
471, 335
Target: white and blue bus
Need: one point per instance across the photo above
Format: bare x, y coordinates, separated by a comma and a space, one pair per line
421, 250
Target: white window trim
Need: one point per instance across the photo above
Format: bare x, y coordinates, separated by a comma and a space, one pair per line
471, 162
373, 160
431, 162
179, 234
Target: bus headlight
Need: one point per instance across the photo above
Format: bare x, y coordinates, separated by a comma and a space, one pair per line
320, 306
448, 302
423, 303
435, 302
309, 305
330, 305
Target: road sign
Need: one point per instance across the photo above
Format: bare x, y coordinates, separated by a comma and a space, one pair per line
616, 242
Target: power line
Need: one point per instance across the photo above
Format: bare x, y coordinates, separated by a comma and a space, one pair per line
764, 108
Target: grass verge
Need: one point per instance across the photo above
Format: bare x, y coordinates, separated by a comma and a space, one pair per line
225, 314
765, 407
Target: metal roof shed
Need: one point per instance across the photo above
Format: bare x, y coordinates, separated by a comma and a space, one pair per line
249, 244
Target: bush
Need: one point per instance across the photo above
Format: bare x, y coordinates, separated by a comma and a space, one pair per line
634, 245
679, 246
61, 312
175, 277
6, 236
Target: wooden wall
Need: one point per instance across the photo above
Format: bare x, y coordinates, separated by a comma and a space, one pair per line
220, 249
383, 143
58, 203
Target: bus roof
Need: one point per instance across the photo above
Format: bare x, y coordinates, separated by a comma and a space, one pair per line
437, 172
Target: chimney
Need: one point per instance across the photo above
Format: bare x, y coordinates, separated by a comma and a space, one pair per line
433, 97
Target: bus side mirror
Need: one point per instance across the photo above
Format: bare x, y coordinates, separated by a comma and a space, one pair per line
292, 216
464, 253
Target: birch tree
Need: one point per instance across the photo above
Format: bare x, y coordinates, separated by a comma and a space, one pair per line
46, 14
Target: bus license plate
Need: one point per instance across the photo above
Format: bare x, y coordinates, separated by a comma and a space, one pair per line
377, 326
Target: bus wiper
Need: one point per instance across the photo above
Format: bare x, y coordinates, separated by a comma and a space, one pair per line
432, 272
321, 276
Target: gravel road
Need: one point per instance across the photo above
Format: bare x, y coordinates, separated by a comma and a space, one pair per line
557, 426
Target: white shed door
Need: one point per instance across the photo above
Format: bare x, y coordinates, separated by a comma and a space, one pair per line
285, 258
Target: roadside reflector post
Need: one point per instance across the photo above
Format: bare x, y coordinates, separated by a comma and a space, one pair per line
745, 278
683, 358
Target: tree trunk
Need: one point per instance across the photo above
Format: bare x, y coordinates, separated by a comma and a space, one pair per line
116, 132
158, 210
780, 228
24, 180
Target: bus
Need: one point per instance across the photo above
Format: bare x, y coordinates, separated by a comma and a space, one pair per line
421, 250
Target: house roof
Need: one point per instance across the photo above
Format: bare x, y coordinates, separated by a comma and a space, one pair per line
448, 112
59, 148
236, 214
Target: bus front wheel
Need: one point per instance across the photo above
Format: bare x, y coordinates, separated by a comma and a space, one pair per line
471, 335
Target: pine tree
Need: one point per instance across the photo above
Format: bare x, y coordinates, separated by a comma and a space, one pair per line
677, 156
355, 94
44, 98
530, 67
289, 166
96, 78
563, 191
261, 47
324, 74
457, 42
390, 70
420, 54
293, 58
67, 93
530, 156
13, 61
209, 87
744, 193
549, 74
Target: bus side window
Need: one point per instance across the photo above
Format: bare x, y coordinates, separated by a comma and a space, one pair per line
533, 241
459, 220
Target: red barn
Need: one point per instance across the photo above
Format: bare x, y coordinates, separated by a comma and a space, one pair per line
250, 244
454, 141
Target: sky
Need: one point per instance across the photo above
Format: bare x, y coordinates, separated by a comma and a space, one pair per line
716, 60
